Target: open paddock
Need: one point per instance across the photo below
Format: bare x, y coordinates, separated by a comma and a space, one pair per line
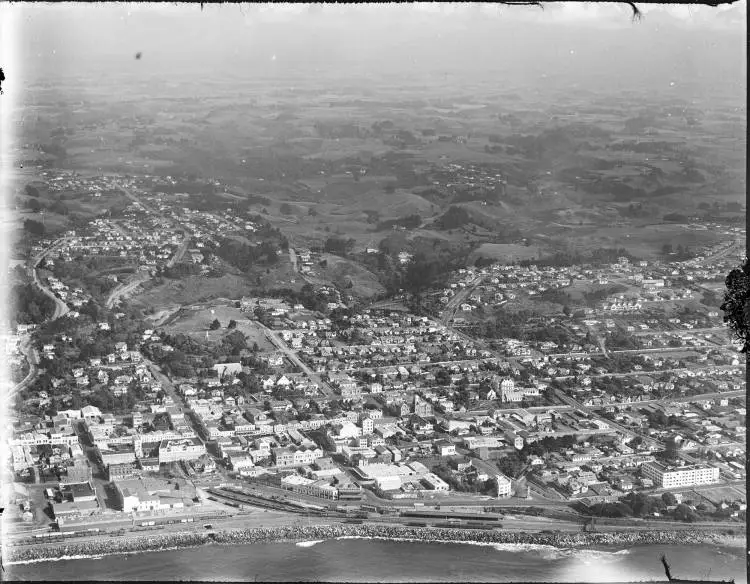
195, 322
718, 494
507, 252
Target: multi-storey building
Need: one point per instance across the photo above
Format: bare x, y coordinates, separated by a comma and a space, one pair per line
182, 449
684, 476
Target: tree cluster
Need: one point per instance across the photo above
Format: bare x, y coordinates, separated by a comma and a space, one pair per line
408, 222
338, 246
245, 257
34, 227
30, 305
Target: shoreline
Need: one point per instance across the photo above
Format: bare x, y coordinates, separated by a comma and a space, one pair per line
318, 533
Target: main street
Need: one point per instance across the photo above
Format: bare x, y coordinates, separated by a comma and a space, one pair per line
683, 398
642, 372
449, 312
180, 252
737, 247
142, 277
279, 343
565, 398
656, 444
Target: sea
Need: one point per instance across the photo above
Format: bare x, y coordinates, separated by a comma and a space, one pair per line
369, 560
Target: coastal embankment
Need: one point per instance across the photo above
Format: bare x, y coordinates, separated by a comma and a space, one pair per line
126, 545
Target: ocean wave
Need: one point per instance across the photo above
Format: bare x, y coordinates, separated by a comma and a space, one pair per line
60, 559
502, 547
548, 552
99, 556
307, 544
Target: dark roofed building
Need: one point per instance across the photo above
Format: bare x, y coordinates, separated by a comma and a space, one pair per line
82, 492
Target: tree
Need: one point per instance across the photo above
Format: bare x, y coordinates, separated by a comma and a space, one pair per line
736, 305
34, 227
338, 246
32, 191
215, 325
232, 324
34, 206
312, 212
453, 218
234, 342
669, 499
685, 513
60, 208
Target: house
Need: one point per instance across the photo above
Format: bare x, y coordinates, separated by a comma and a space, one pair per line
445, 448
90, 412
421, 407
421, 426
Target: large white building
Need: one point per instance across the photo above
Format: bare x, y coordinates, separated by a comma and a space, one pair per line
182, 449
651, 284
683, 476
435, 483
504, 485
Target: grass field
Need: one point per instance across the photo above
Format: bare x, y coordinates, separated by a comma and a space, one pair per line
192, 289
719, 494
643, 242
195, 323
341, 271
506, 252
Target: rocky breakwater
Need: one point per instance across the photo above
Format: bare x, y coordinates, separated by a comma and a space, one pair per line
146, 543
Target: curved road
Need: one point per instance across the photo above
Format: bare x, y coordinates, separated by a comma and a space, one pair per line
61, 309
124, 289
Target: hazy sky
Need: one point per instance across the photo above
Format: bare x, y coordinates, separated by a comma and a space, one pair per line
577, 39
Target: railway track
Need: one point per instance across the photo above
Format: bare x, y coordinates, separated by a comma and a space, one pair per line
238, 498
